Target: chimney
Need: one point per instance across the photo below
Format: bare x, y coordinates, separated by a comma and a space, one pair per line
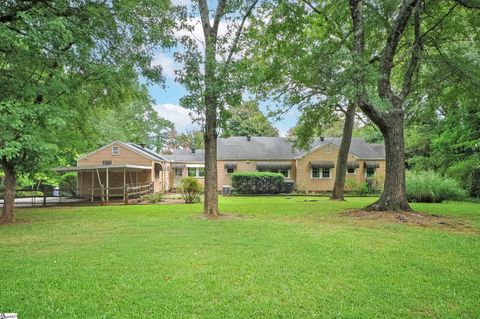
249, 137
193, 150
322, 138
142, 145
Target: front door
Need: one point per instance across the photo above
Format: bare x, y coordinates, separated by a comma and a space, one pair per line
177, 177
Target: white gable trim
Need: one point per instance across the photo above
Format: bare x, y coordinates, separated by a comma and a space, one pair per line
122, 144
319, 147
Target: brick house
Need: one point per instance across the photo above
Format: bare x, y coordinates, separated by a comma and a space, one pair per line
118, 165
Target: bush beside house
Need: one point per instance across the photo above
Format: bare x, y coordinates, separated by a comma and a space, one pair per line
258, 183
191, 190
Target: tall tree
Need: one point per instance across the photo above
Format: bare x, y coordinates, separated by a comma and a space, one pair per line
55, 54
213, 88
248, 120
303, 56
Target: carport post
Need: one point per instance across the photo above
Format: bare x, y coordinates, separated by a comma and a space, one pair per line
93, 177
125, 199
107, 184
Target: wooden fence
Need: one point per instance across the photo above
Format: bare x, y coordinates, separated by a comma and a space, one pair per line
43, 197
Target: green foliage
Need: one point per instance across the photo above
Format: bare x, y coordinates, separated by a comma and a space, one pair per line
467, 174
63, 64
153, 198
248, 120
258, 183
430, 187
28, 135
191, 190
68, 184
356, 187
192, 139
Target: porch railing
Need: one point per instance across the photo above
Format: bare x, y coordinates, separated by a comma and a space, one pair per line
127, 192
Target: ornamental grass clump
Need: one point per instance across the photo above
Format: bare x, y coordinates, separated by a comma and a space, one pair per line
431, 187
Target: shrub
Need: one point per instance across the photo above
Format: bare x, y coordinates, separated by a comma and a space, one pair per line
191, 190
430, 187
153, 198
467, 173
352, 185
258, 183
68, 184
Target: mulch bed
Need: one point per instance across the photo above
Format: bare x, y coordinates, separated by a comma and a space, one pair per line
411, 218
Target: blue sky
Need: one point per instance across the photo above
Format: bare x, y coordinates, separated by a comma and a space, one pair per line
167, 101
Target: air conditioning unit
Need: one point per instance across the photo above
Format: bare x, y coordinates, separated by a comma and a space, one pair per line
226, 190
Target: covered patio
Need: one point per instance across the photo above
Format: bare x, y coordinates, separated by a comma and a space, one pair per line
106, 182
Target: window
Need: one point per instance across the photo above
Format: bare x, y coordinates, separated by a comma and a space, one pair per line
196, 172
320, 172
350, 170
229, 170
328, 148
107, 163
178, 172
315, 172
192, 171
115, 150
370, 172
325, 172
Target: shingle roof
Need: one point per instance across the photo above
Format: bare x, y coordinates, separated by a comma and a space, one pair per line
186, 155
274, 148
146, 152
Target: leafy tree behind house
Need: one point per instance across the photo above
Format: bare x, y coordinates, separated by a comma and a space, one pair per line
247, 119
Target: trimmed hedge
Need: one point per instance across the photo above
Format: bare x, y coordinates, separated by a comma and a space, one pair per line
430, 187
258, 183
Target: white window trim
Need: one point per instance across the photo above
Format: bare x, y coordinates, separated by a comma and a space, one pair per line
227, 173
115, 153
321, 174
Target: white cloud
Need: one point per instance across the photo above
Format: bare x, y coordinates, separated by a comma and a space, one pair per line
182, 2
167, 63
178, 115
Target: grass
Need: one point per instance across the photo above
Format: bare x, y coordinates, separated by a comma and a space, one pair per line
282, 258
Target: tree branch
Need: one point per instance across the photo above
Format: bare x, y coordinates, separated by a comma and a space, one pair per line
205, 18
239, 32
386, 60
356, 11
416, 54
471, 4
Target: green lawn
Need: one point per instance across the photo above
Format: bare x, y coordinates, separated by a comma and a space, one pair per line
279, 257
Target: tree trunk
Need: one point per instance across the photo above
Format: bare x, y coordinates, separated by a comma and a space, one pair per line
9, 195
394, 197
210, 204
341, 170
